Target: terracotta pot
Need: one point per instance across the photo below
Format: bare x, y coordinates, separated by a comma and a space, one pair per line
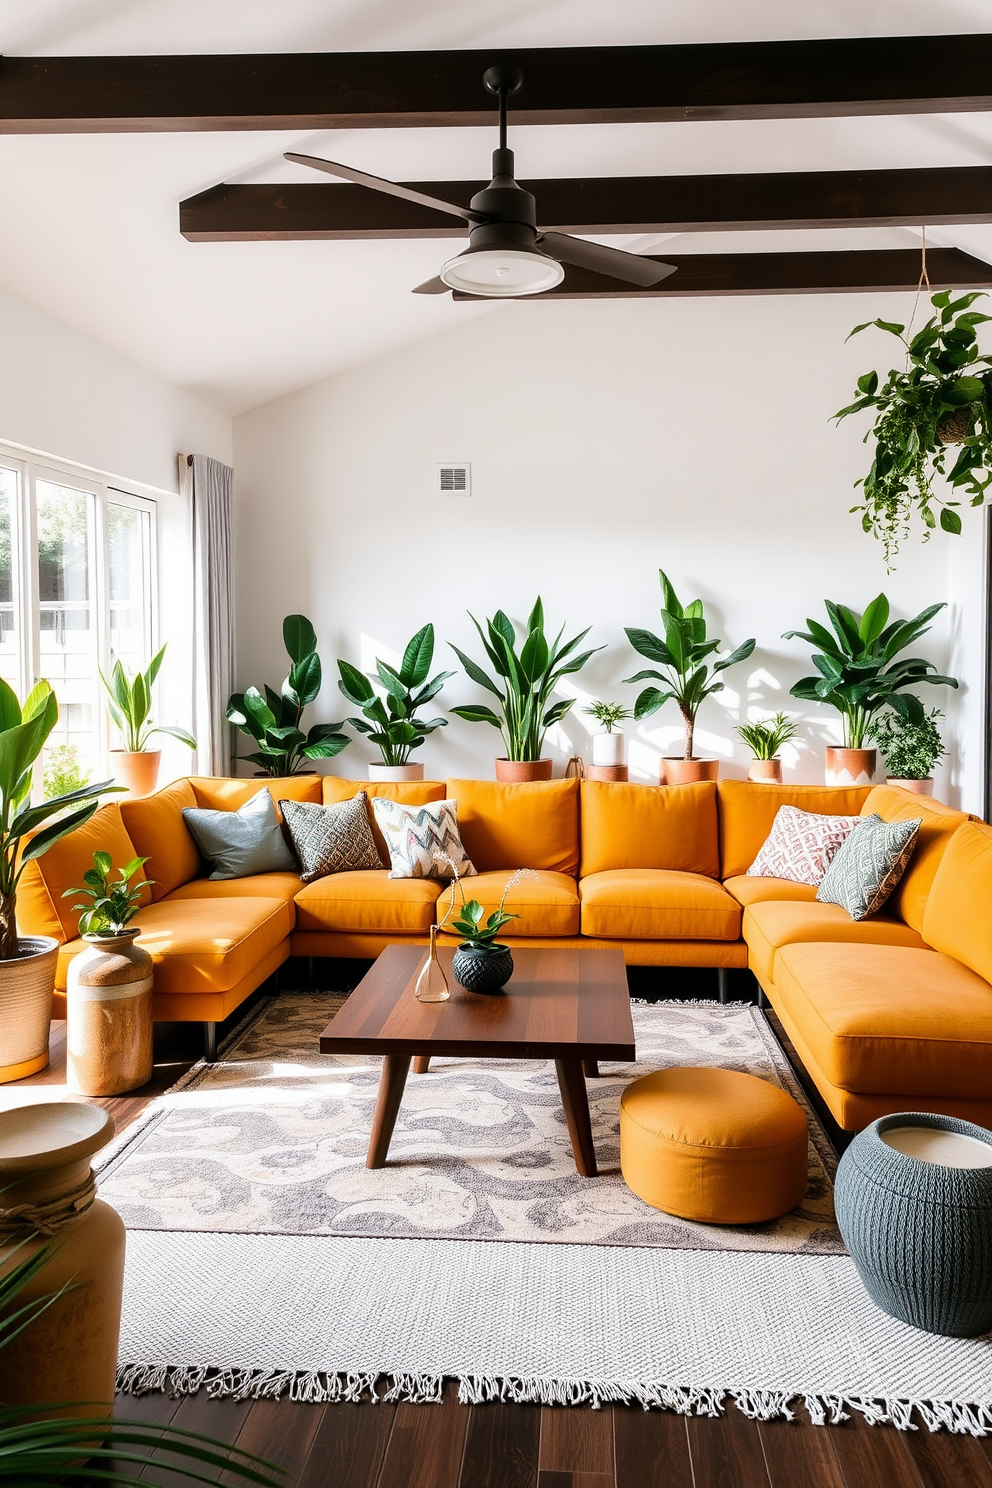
27, 983
609, 749
396, 772
850, 766
109, 1002
918, 787
607, 772
69, 1354
678, 771
768, 771
516, 772
138, 771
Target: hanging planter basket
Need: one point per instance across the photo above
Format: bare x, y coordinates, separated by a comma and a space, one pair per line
955, 427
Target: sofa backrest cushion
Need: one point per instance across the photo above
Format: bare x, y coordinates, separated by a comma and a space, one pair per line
62, 867
650, 826
155, 825
940, 822
747, 811
957, 919
405, 792
222, 793
519, 826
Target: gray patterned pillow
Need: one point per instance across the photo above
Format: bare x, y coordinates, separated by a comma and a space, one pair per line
866, 868
237, 844
331, 839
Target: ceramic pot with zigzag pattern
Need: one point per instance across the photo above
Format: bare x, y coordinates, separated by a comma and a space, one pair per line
483, 968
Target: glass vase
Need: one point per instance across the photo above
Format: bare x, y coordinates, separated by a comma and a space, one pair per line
431, 984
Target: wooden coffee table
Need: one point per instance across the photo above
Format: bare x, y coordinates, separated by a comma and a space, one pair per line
570, 1005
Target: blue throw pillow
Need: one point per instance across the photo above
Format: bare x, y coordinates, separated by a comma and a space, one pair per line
237, 844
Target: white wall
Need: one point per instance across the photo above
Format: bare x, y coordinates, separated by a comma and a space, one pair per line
606, 440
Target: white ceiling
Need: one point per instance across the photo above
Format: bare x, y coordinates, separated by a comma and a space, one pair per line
90, 222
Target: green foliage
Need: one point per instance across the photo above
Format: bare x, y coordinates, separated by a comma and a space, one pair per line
129, 703
686, 674
608, 714
272, 718
523, 682
62, 772
858, 671
391, 722
476, 932
765, 736
23, 733
910, 428
112, 905
911, 749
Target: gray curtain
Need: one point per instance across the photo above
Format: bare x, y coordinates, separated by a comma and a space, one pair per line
207, 485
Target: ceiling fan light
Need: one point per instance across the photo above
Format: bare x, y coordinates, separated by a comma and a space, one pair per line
499, 273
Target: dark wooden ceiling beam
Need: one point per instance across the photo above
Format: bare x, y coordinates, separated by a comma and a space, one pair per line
782, 273
563, 85
639, 204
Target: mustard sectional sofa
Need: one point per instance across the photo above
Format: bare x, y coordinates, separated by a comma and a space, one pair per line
889, 1014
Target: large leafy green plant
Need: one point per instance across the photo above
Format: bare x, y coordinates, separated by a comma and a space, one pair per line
273, 718
858, 671
687, 676
391, 723
129, 703
940, 398
523, 681
23, 833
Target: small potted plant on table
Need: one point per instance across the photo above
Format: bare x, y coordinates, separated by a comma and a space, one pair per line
765, 737
481, 963
609, 751
391, 721
911, 749
273, 719
129, 702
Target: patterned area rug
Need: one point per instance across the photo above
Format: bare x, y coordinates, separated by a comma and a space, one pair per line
271, 1141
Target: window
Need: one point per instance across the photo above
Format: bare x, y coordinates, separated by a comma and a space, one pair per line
77, 591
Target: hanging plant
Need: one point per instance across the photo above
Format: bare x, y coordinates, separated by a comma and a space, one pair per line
933, 404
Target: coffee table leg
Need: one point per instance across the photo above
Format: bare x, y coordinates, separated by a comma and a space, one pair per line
590, 1068
572, 1084
421, 1064
395, 1068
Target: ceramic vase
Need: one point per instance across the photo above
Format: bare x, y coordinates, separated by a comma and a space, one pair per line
109, 1015
396, 772
483, 968
518, 772
609, 750
137, 771
27, 982
678, 771
850, 766
67, 1355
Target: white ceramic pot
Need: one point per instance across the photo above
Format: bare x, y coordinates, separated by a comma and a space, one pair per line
396, 772
918, 787
609, 749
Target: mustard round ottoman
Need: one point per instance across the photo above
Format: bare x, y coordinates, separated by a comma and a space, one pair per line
713, 1145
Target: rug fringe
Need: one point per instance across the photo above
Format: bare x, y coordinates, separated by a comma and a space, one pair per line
700, 1002
321, 1387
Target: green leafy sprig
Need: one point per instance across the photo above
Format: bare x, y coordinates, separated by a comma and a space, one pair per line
765, 736
112, 905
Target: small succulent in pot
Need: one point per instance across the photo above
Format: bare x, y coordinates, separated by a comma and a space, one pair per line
112, 904
765, 736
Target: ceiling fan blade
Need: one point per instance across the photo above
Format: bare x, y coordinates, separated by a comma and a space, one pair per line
391, 188
614, 262
432, 286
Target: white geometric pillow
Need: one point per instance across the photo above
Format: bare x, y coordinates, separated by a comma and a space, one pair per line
801, 844
417, 836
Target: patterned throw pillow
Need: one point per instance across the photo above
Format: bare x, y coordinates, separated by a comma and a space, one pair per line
868, 866
801, 844
331, 839
237, 844
416, 835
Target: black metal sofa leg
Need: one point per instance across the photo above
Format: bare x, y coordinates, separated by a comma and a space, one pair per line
723, 982
210, 1042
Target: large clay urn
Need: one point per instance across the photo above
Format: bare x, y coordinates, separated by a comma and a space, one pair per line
850, 766
137, 771
68, 1355
678, 771
109, 1015
518, 772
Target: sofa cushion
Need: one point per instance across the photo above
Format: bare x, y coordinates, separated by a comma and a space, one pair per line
657, 904
221, 793
649, 826
547, 903
62, 867
284, 886
888, 1019
239, 844
770, 925
155, 825
958, 918
868, 866
519, 826
801, 844
204, 945
747, 811
748, 889
938, 825
406, 792
331, 839
369, 902
423, 841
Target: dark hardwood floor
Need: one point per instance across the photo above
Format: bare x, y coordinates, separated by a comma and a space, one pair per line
520, 1446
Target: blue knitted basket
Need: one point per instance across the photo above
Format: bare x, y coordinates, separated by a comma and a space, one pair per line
919, 1233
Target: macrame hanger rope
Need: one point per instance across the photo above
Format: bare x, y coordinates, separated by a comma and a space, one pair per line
923, 279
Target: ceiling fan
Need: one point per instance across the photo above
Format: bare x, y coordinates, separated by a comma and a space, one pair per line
507, 255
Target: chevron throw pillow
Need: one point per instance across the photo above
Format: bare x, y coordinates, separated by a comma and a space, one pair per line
331, 839
801, 844
867, 867
417, 836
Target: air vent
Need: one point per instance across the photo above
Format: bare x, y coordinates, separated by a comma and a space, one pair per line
454, 480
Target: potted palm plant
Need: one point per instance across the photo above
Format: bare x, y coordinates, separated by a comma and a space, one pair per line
27, 963
688, 677
391, 721
273, 718
765, 737
523, 683
860, 672
129, 702
911, 749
